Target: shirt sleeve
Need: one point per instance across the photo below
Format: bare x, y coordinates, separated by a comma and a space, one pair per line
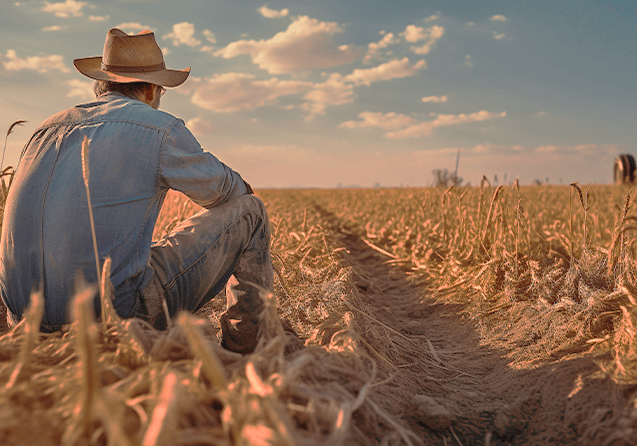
185, 167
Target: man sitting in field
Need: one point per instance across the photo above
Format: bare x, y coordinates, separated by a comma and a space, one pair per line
137, 153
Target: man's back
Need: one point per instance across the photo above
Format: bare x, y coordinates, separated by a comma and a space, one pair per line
135, 154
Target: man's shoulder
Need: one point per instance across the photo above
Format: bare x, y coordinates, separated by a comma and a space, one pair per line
112, 108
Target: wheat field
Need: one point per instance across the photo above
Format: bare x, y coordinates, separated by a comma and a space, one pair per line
539, 277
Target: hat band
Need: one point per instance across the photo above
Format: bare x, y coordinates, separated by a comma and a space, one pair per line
125, 69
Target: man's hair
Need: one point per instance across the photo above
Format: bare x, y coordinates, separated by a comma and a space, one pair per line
131, 89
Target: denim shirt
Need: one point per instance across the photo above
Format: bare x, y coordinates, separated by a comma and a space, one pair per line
136, 153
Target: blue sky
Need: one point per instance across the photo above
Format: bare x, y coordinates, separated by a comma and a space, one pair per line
314, 94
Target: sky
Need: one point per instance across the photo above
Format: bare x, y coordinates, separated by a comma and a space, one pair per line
357, 93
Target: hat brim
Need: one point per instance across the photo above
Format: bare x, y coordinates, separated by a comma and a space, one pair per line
92, 67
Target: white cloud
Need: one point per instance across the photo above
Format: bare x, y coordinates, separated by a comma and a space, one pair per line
435, 99
41, 64
208, 49
580, 148
470, 23
431, 18
547, 149
200, 127
67, 9
386, 71
183, 33
498, 17
415, 34
230, 92
52, 28
99, 18
210, 36
331, 92
80, 89
425, 128
497, 36
133, 26
468, 61
387, 121
487, 147
373, 48
165, 51
541, 113
305, 44
271, 13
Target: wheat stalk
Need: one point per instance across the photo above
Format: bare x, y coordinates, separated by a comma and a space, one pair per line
108, 313
617, 236
163, 422
211, 365
584, 206
16, 123
86, 174
490, 213
33, 317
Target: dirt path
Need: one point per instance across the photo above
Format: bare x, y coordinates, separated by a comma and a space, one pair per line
564, 402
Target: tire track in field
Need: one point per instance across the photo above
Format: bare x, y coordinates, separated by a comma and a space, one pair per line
494, 404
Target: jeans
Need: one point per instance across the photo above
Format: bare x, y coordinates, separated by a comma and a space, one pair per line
197, 259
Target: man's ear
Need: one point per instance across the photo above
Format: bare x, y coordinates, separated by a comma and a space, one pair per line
149, 92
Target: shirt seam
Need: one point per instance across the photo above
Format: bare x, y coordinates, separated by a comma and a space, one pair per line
162, 148
103, 120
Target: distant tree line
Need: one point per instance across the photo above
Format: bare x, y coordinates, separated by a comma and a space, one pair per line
444, 178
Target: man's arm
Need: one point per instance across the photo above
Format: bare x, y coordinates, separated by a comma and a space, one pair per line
185, 167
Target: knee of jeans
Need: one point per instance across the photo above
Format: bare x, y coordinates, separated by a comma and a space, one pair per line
256, 207
256, 204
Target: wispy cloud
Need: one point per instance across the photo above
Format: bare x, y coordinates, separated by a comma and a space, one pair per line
374, 48
99, 18
210, 36
415, 34
305, 44
468, 61
435, 99
80, 89
67, 9
133, 26
390, 70
331, 92
183, 33
417, 129
431, 18
272, 13
386, 121
53, 28
556, 149
200, 127
41, 64
230, 92
498, 36
498, 18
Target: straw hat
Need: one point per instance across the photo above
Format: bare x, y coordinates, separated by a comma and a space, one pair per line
131, 58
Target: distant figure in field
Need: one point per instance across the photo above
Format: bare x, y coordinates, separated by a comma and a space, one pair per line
136, 154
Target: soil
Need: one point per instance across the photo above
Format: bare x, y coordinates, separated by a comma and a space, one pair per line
491, 401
